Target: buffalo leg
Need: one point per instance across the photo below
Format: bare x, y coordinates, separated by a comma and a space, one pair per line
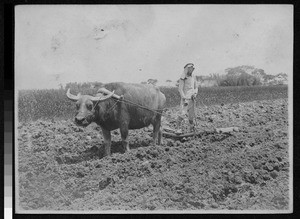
160, 136
157, 132
124, 136
107, 141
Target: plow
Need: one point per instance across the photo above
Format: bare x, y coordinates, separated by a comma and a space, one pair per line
171, 133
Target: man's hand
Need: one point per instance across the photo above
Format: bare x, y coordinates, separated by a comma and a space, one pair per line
194, 96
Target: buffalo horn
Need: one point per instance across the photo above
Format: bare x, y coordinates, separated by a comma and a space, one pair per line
71, 96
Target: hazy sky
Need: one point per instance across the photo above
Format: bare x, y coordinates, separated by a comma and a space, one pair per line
132, 43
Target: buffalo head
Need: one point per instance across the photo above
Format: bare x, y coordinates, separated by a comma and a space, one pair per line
85, 106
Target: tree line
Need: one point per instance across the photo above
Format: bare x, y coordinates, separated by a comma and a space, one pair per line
244, 75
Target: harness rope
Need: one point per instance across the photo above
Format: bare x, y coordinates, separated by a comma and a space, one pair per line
141, 106
163, 114
132, 103
109, 108
113, 105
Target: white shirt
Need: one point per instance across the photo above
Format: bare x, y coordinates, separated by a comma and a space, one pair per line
188, 87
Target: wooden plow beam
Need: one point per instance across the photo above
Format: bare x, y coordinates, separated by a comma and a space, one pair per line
170, 133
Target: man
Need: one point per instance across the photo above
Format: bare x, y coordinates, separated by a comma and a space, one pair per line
188, 90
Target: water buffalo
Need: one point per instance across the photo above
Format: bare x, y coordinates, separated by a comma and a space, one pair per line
110, 113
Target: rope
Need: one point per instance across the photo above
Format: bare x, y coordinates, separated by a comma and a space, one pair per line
110, 107
95, 104
141, 106
113, 105
138, 105
127, 101
152, 110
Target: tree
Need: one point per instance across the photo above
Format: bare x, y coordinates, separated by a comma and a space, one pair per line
244, 75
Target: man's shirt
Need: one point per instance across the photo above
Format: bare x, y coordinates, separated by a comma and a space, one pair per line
188, 86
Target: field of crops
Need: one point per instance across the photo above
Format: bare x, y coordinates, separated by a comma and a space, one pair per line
61, 166
53, 103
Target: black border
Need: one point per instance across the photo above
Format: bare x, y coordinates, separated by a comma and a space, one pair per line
7, 55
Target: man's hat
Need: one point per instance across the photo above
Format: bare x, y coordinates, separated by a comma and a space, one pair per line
189, 65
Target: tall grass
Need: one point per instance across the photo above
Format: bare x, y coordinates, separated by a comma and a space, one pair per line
47, 104
53, 103
218, 95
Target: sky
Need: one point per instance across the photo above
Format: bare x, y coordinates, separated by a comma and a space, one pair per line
57, 44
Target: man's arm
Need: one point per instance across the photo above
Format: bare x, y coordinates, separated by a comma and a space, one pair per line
180, 88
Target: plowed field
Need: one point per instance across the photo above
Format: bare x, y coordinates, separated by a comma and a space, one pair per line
58, 167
